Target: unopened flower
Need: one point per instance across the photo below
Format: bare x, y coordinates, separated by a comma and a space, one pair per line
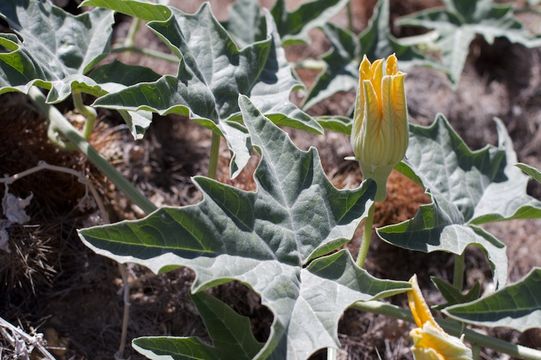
380, 127
430, 342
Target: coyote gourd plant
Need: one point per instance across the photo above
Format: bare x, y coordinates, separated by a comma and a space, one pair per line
460, 21
59, 52
275, 240
285, 240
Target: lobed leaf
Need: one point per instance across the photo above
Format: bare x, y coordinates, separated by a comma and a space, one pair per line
460, 22
516, 306
293, 26
58, 52
57, 48
468, 188
230, 332
271, 240
117, 76
212, 72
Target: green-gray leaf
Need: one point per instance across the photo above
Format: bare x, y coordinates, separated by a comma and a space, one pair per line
58, 48
117, 76
294, 26
530, 171
516, 306
453, 295
246, 23
467, 188
264, 239
143, 10
341, 124
459, 23
230, 332
347, 50
212, 72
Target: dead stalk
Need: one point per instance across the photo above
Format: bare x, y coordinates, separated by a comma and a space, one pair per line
41, 166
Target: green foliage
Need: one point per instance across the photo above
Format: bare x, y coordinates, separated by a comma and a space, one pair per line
285, 240
271, 240
230, 332
246, 20
58, 52
453, 295
530, 171
212, 72
294, 26
516, 306
57, 48
342, 61
468, 188
460, 22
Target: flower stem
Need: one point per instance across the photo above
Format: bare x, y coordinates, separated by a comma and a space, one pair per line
367, 237
214, 155
73, 136
453, 328
458, 272
87, 111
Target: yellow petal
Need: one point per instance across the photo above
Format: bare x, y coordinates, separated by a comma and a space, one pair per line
425, 354
364, 70
391, 65
432, 343
419, 309
376, 70
399, 111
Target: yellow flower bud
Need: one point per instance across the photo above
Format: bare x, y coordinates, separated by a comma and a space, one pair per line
430, 342
380, 127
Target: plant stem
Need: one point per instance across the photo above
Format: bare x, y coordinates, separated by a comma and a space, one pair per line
454, 328
87, 111
367, 237
476, 352
311, 64
331, 353
349, 11
458, 272
134, 27
148, 52
61, 124
214, 155
32, 340
126, 313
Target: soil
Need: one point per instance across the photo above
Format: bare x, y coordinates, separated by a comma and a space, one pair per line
54, 285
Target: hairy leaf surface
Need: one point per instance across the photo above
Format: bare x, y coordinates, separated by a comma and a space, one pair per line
516, 306
294, 26
264, 239
460, 22
468, 188
212, 72
230, 332
246, 20
57, 48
